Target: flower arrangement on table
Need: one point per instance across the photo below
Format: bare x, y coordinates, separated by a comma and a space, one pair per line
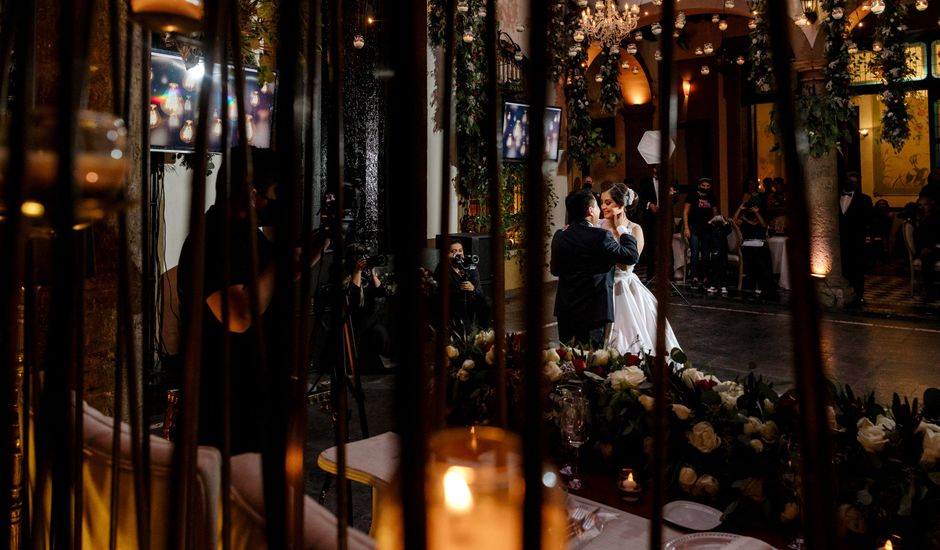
734, 444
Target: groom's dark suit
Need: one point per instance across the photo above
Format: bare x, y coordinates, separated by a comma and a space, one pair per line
583, 258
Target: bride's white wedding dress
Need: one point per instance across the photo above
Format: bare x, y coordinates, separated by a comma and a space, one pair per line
634, 326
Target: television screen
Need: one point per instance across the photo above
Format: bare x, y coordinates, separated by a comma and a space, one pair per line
174, 103
515, 140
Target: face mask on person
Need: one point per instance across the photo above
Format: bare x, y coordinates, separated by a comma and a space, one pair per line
270, 214
704, 189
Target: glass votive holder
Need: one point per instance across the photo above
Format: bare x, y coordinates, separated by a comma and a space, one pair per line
628, 486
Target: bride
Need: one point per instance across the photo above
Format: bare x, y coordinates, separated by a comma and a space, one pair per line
634, 326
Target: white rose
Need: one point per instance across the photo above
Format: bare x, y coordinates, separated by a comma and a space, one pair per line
886, 423
553, 372
681, 411
730, 392
831, 417
706, 485
703, 437
768, 406
468, 365
463, 375
791, 511
752, 426
647, 402
452, 352
757, 445
768, 431
690, 376
871, 437
931, 443
484, 337
551, 356
490, 356
625, 378
687, 478
601, 358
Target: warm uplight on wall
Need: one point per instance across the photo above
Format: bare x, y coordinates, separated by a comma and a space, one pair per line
863, 132
686, 88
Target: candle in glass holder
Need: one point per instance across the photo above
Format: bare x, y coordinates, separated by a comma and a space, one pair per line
169, 15
628, 487
887, 546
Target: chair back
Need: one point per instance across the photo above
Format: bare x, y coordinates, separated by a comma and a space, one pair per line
908, 232
734, 240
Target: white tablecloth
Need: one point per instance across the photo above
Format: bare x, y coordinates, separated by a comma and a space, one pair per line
679, 248
778, 260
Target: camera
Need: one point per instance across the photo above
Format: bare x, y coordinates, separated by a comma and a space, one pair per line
466, 262
376, 260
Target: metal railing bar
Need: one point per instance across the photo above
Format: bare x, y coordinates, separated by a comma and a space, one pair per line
667, 124
407, 49
184, 451
147, 294
817, 471
224, 198
533, 438
14, 238
335, 176
442, 366
497, 243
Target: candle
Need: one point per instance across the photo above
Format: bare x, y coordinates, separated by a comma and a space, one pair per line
628, 484
887, 546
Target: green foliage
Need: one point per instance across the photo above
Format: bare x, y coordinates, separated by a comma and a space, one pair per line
611, 96
893, 67
761, 75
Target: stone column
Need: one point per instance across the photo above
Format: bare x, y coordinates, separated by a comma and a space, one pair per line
822, 190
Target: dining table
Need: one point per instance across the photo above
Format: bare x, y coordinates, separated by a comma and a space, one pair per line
778, 259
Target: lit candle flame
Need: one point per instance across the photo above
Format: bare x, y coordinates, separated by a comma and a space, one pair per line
457, 495
888, 545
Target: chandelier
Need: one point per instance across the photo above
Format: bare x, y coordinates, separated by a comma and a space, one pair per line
608, 24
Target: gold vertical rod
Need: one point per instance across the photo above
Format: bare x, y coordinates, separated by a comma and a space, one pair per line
442, 366
667, 125
184, 452
534, 436
817, 474
497, 242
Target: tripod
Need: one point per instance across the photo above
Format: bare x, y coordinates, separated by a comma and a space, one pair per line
344, 376
675, 290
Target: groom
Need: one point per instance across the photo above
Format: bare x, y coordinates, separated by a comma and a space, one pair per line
583, 257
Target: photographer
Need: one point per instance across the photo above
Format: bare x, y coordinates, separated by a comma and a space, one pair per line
364, 292
754, 249
468, 305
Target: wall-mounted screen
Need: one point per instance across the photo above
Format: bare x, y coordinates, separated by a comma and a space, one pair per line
515, 140
174, 105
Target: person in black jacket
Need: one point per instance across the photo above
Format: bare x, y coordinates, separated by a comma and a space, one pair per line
583, 257
854, 214
927, 244
648, 211
469, 306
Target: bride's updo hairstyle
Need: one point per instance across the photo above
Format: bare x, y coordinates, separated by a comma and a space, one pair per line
623, 195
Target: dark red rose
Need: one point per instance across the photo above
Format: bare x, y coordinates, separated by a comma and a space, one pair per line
579, 365
598, 370
706, 384
632, 360
562, 352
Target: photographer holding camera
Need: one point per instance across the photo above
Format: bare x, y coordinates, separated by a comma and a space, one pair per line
364, 292
468, 304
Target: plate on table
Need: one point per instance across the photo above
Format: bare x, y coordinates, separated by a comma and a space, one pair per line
716, 541
692, 515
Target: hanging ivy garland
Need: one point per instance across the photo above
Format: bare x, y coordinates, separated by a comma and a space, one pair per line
826, 117
894, 68
758, 53
610, 85
469, 100
581, 146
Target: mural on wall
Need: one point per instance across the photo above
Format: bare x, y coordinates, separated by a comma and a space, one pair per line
904, 172
769, 162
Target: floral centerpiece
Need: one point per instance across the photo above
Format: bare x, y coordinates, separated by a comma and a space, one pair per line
734, 443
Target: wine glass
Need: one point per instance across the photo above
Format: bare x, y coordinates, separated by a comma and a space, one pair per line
575, 414
565, 391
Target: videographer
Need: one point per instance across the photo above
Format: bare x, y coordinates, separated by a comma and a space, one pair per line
364, 292
468, 304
